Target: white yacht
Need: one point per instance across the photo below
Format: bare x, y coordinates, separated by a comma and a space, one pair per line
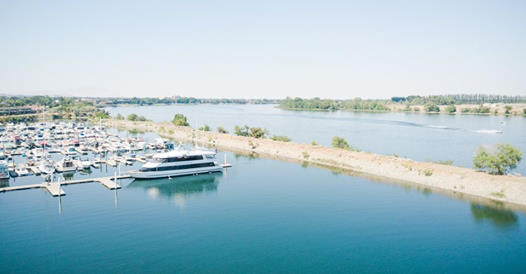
178, 163
66, 165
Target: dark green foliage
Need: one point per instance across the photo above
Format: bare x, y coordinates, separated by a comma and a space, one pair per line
180, 120
258, 132
431, 107
205, 128
451, 109
339, 142
477, 110
499, 160
280, 138
134, 117
185, 100
329, 105
222, 130
241, 131
247, 131
460, 99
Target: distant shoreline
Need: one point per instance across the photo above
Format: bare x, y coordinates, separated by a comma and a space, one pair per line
456, 180
517, 109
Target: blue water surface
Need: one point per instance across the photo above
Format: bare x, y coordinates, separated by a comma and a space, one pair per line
423, 137
259, 216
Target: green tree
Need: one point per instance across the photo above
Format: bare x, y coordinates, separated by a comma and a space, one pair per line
241, 131
451, 109
258, 132
180, 120
222, 130
339, 142
141, 118
132, 117
499, 160
205, 128
507, 110
431, 107
119, 117
101, 114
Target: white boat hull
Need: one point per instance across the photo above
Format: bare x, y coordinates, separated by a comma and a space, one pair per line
174, 173
66, 169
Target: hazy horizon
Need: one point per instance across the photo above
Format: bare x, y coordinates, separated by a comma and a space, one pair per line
235, 49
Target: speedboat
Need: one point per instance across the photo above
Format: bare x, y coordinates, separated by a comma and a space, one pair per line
178, 163
71, 150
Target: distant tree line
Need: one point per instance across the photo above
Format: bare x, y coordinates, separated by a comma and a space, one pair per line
185, 100
60, 107
356, 104
459, 99
47, 101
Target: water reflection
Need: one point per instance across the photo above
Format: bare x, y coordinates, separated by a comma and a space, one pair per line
250, 156
4, 182
499, 217
177, 189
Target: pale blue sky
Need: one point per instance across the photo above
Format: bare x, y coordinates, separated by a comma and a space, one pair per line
255, 49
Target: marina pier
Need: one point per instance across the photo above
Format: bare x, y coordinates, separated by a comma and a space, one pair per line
54, 188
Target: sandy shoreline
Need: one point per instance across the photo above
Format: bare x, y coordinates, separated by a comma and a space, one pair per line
508, 189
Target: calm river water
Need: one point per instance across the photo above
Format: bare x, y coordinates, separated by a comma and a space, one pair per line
259, 216
417, 136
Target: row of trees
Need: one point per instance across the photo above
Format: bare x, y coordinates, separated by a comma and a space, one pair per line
459, 99
60, 107
185, 100
356, 104
255, 132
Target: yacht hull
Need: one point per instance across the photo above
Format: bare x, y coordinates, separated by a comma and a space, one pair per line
174, 173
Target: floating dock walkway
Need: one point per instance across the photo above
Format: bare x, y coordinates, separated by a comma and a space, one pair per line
54, 188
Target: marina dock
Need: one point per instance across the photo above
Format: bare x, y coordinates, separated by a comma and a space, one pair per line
54, 188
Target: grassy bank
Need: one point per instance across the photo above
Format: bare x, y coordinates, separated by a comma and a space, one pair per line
510, 189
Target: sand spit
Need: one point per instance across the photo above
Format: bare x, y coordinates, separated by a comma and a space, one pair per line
458, 180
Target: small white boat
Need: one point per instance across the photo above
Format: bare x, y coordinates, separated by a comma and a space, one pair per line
46, 167
70, 151
83, 163
21, 170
